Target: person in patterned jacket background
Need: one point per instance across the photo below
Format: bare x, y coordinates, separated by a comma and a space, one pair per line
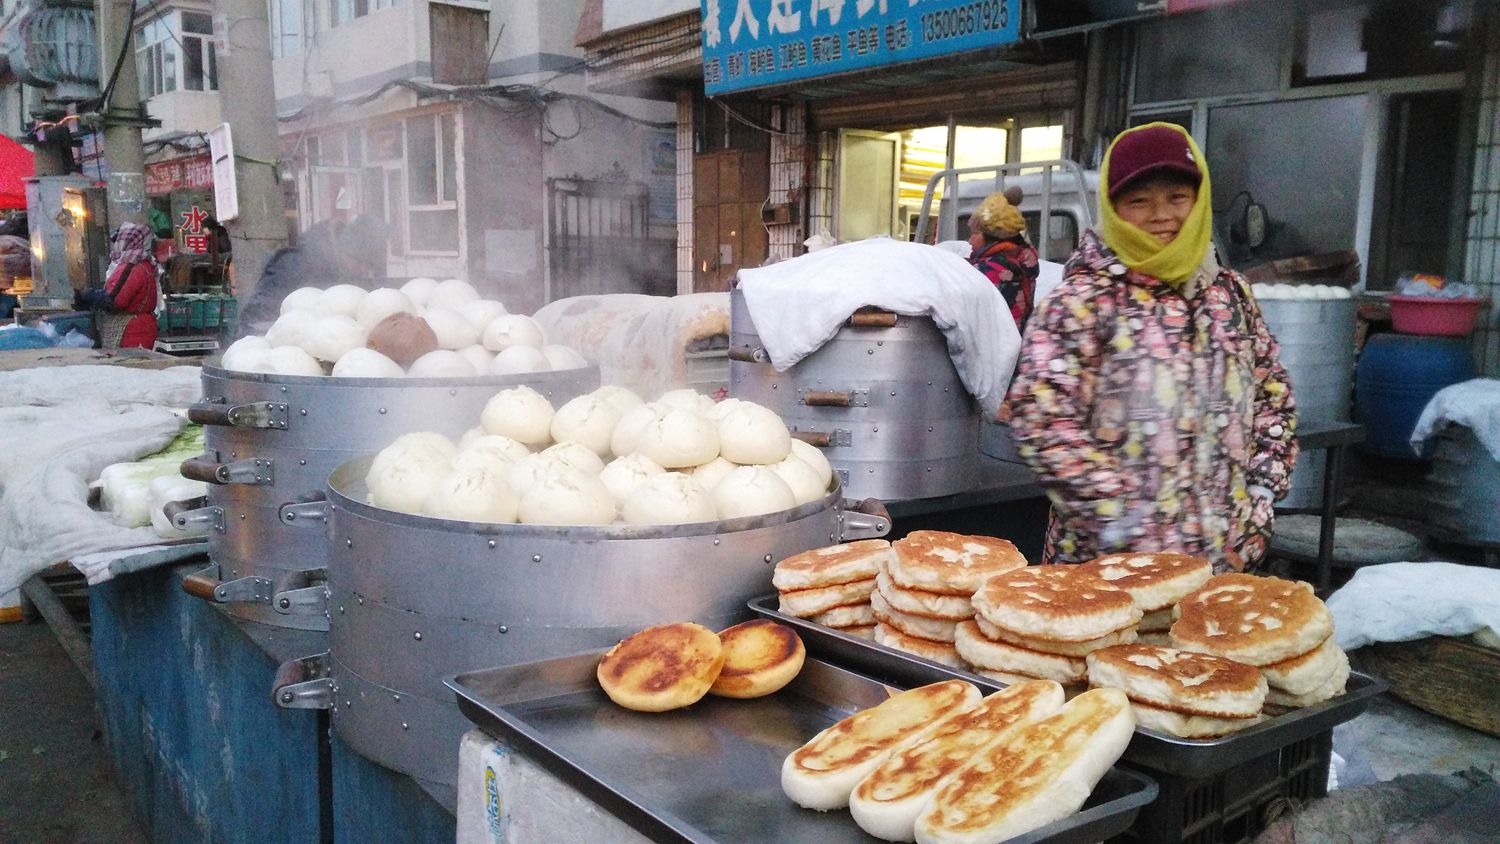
1149, 398
997, 233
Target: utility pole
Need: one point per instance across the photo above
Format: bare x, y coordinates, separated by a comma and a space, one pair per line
120, 117
243, 41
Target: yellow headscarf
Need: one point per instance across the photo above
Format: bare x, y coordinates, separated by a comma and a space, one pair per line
1173, 262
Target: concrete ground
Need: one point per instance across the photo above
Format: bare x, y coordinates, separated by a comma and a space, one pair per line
56, 782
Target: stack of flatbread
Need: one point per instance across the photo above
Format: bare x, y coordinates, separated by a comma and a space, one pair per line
1182, 693
1041, 622
1279, 626
1156, 582
831, 586
927, 587
938, 764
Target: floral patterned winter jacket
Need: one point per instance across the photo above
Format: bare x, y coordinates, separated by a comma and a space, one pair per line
1148, 411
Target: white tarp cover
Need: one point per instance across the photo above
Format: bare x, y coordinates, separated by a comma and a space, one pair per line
1473, 404
1399, 602
799, 305
62, 426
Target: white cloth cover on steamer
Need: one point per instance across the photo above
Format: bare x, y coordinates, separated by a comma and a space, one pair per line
1398, 602
1474, 404
799, 305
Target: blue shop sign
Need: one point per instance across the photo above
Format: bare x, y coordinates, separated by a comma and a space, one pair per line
757, 43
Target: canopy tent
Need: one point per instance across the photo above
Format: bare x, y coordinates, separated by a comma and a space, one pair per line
15, 165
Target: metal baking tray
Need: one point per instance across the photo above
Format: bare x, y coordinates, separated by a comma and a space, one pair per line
712, 772
1151, 749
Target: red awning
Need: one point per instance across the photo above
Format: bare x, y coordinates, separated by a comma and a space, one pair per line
15, 165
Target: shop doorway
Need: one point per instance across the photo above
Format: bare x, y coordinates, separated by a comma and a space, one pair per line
1414, 199
729, 188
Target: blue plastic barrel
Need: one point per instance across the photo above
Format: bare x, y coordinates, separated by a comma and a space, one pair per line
1397, 375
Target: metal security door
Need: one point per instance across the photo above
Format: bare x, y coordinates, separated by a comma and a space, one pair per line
599, 240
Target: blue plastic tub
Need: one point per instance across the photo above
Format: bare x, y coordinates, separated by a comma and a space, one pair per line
1397, 375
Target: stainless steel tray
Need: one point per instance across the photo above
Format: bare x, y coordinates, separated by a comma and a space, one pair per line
1150, 749
712, 772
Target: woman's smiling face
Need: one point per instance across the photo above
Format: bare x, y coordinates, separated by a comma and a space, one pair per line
1158, 207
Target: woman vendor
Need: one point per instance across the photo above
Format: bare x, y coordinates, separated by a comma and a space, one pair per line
127, 304
997, 233
1149, 398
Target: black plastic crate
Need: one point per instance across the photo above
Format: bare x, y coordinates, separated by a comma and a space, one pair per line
1236, 805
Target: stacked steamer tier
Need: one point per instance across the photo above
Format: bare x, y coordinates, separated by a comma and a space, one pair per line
1278, 626
925, 593
832, 586
272, 440
1181, 693
1156, 582
1042, 622
881, 399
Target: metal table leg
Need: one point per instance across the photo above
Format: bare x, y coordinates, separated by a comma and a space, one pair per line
1333, 475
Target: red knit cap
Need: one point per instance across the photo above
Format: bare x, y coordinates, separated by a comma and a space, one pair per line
1143, 152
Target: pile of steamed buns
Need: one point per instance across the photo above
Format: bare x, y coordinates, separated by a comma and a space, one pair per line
425, 329
603, 458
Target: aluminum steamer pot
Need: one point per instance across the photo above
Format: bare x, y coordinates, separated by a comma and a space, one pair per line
272, 441
415, 600
882, 399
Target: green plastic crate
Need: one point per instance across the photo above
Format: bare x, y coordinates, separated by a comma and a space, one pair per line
198, 312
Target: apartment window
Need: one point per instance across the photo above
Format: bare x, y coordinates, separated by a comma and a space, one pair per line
156, 57
200, 67
432, 184
176, 52
294, 23
343, 11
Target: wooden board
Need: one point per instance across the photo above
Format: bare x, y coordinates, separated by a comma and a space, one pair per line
11, 361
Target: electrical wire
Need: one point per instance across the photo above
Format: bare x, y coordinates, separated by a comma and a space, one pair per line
114, 75
751, 123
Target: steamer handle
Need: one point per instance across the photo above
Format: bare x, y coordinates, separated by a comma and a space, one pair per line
210, 413
828, 398
873, 319
747, 354
817, 439
201, 586
205, 470
172, 509
865, 519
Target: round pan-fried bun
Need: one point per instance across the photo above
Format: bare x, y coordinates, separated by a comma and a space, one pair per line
935, 629
1123, 636
863, 631
1331, 688
1155, 581
852, 615
1252, 619
1034, 776
1303, 674
1189, 726
886, 803
760, 657
941, 652
821, 774
660, 668
950, 563
999, 656
836, 564
1058, 603
1181, 681
805, 603
926, 604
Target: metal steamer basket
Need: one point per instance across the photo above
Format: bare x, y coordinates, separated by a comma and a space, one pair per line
271, 443
415, 600
882, 399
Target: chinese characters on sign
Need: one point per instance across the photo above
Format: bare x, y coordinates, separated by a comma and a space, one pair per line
194, 235
194, 171
756, 43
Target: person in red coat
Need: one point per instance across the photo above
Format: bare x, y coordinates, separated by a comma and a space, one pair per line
129, 294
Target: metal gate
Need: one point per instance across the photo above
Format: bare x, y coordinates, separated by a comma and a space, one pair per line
599, 241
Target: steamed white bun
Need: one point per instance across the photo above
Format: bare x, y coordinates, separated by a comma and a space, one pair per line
623, 474
563, 357
519, 360
813, 456
750, 433
452, 330
503, 449
689, 400
801, 478
670, 498
575, 456
381, 303
482, 312
291, 328
520, 413
619, 398
478, 357
567, 497
627, 434
513, 330
752, 491
301, 299
241, 351
709, 474
473, 493
405, 473
586, 420
341, 299
366, 363
452, 293
441, 363
679, 439
332, 337
418, 290
290, 360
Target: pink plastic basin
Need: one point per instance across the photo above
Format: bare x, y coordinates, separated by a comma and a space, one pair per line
1433, 316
